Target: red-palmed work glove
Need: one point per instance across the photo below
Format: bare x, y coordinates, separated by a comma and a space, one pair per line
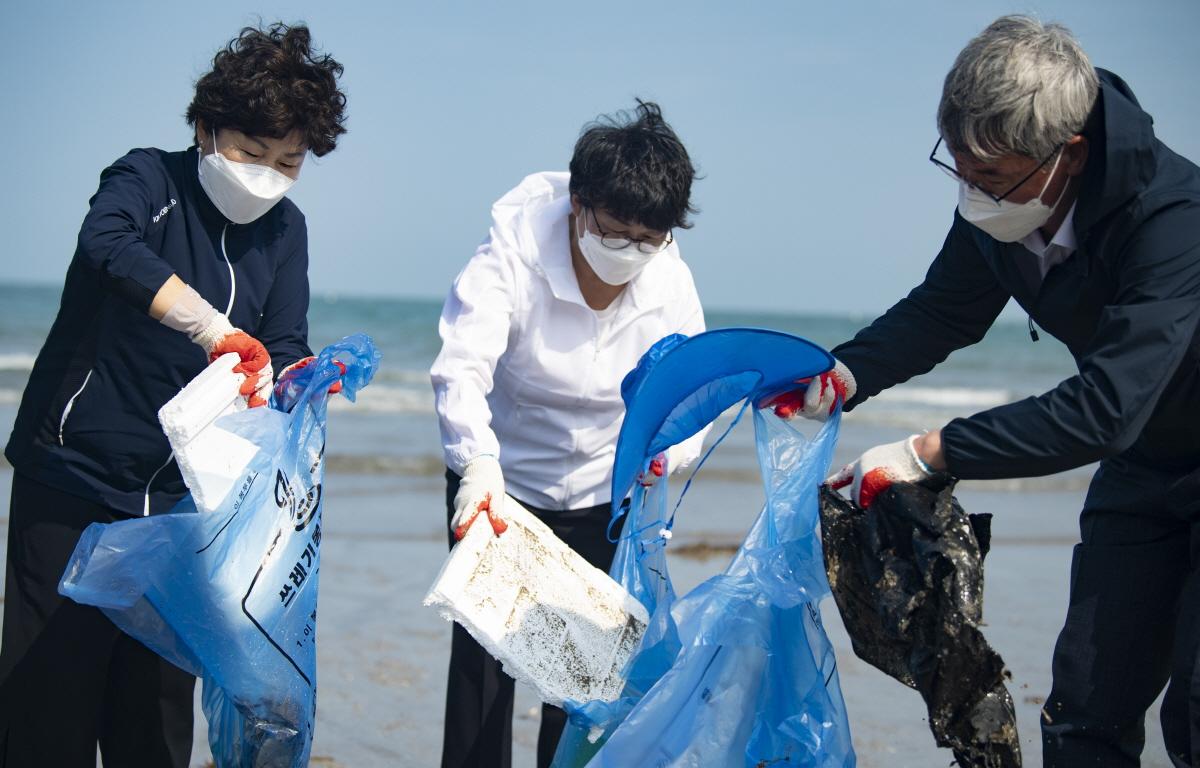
480, 491
219, 337
878, 468
656, 469
304, 363
818, 399
203, 324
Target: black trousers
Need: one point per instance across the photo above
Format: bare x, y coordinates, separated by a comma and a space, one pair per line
69, 679
1133, 624
479, 695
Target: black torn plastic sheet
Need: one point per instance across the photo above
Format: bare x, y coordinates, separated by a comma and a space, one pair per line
907, 576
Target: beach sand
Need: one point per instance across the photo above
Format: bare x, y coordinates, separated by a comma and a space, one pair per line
382, 656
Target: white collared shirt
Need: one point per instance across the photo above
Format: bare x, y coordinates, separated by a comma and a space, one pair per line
1060, 247
529, 373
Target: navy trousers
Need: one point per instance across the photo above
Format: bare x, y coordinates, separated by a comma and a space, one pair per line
479, 695
1133, 623
69, 679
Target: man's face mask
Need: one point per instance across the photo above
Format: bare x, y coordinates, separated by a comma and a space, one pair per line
242, 192
1005, 220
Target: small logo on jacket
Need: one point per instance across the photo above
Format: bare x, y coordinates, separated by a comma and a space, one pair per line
165, 210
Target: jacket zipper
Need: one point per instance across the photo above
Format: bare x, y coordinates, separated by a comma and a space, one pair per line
62, 423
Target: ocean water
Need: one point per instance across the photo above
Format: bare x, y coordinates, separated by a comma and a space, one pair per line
393, 430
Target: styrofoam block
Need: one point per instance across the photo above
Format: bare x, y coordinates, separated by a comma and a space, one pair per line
553, 620
210, 458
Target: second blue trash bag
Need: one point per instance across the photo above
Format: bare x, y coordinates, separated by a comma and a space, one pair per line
738, 672
231, 595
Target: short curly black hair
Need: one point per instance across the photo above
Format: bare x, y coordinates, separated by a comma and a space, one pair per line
636, 168
269, 82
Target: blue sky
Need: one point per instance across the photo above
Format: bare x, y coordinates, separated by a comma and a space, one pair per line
811, 124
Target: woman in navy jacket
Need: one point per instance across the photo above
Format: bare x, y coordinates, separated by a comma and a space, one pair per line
182, 256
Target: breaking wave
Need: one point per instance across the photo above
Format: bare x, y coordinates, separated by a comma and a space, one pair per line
17, 362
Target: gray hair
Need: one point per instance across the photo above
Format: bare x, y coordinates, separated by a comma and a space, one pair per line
1021, 87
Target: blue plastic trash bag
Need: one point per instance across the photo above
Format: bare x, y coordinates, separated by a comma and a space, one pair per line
231, 595
738, 672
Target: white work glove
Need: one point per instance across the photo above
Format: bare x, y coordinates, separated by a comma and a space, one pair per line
819, 398
879, 468
212, 330
481, 490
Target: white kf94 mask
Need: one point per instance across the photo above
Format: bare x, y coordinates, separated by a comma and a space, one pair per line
615, 266
1006, 221
241, 191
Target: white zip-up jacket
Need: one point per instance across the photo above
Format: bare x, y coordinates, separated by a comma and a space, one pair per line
529, 373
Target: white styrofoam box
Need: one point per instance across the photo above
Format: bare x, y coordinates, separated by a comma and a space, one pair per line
553, 620
210, 458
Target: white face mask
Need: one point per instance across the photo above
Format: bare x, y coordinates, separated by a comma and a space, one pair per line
241, 191
613, 266
1006, 221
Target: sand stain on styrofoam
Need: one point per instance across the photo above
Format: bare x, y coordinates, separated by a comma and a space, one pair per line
553, 620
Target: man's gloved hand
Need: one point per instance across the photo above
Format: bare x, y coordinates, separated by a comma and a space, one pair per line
819, 398
219, 337
878, 468
481, 490
656, 469
303, 363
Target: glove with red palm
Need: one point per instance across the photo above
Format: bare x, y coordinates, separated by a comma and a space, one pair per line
656, 469
818, 398
304, 362
219, 337
880, 467
189, 313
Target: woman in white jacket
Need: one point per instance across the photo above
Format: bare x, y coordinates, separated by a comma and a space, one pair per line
577, 278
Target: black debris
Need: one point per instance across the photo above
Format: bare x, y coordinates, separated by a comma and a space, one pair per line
907, 576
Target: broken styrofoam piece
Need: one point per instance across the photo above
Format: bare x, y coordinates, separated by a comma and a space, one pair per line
553, 620
210, 458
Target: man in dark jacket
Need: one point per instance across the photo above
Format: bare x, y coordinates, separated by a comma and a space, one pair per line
168, 239
1069, 205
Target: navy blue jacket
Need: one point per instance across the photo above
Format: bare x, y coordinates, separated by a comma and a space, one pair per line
1126, 304
88, 421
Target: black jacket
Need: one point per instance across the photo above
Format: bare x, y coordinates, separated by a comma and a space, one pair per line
88, 422
1126, 304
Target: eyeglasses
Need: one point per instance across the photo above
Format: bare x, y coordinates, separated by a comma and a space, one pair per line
618, 242
954, 174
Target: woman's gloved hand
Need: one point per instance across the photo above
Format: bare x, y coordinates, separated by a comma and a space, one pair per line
184, 310
656, 470
304, 362
219, 337
481, 490
818, 399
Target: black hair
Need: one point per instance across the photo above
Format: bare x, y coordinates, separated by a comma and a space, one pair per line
269, 82
635, 168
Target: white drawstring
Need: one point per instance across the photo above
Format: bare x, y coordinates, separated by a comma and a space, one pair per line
62, 423
232, 279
